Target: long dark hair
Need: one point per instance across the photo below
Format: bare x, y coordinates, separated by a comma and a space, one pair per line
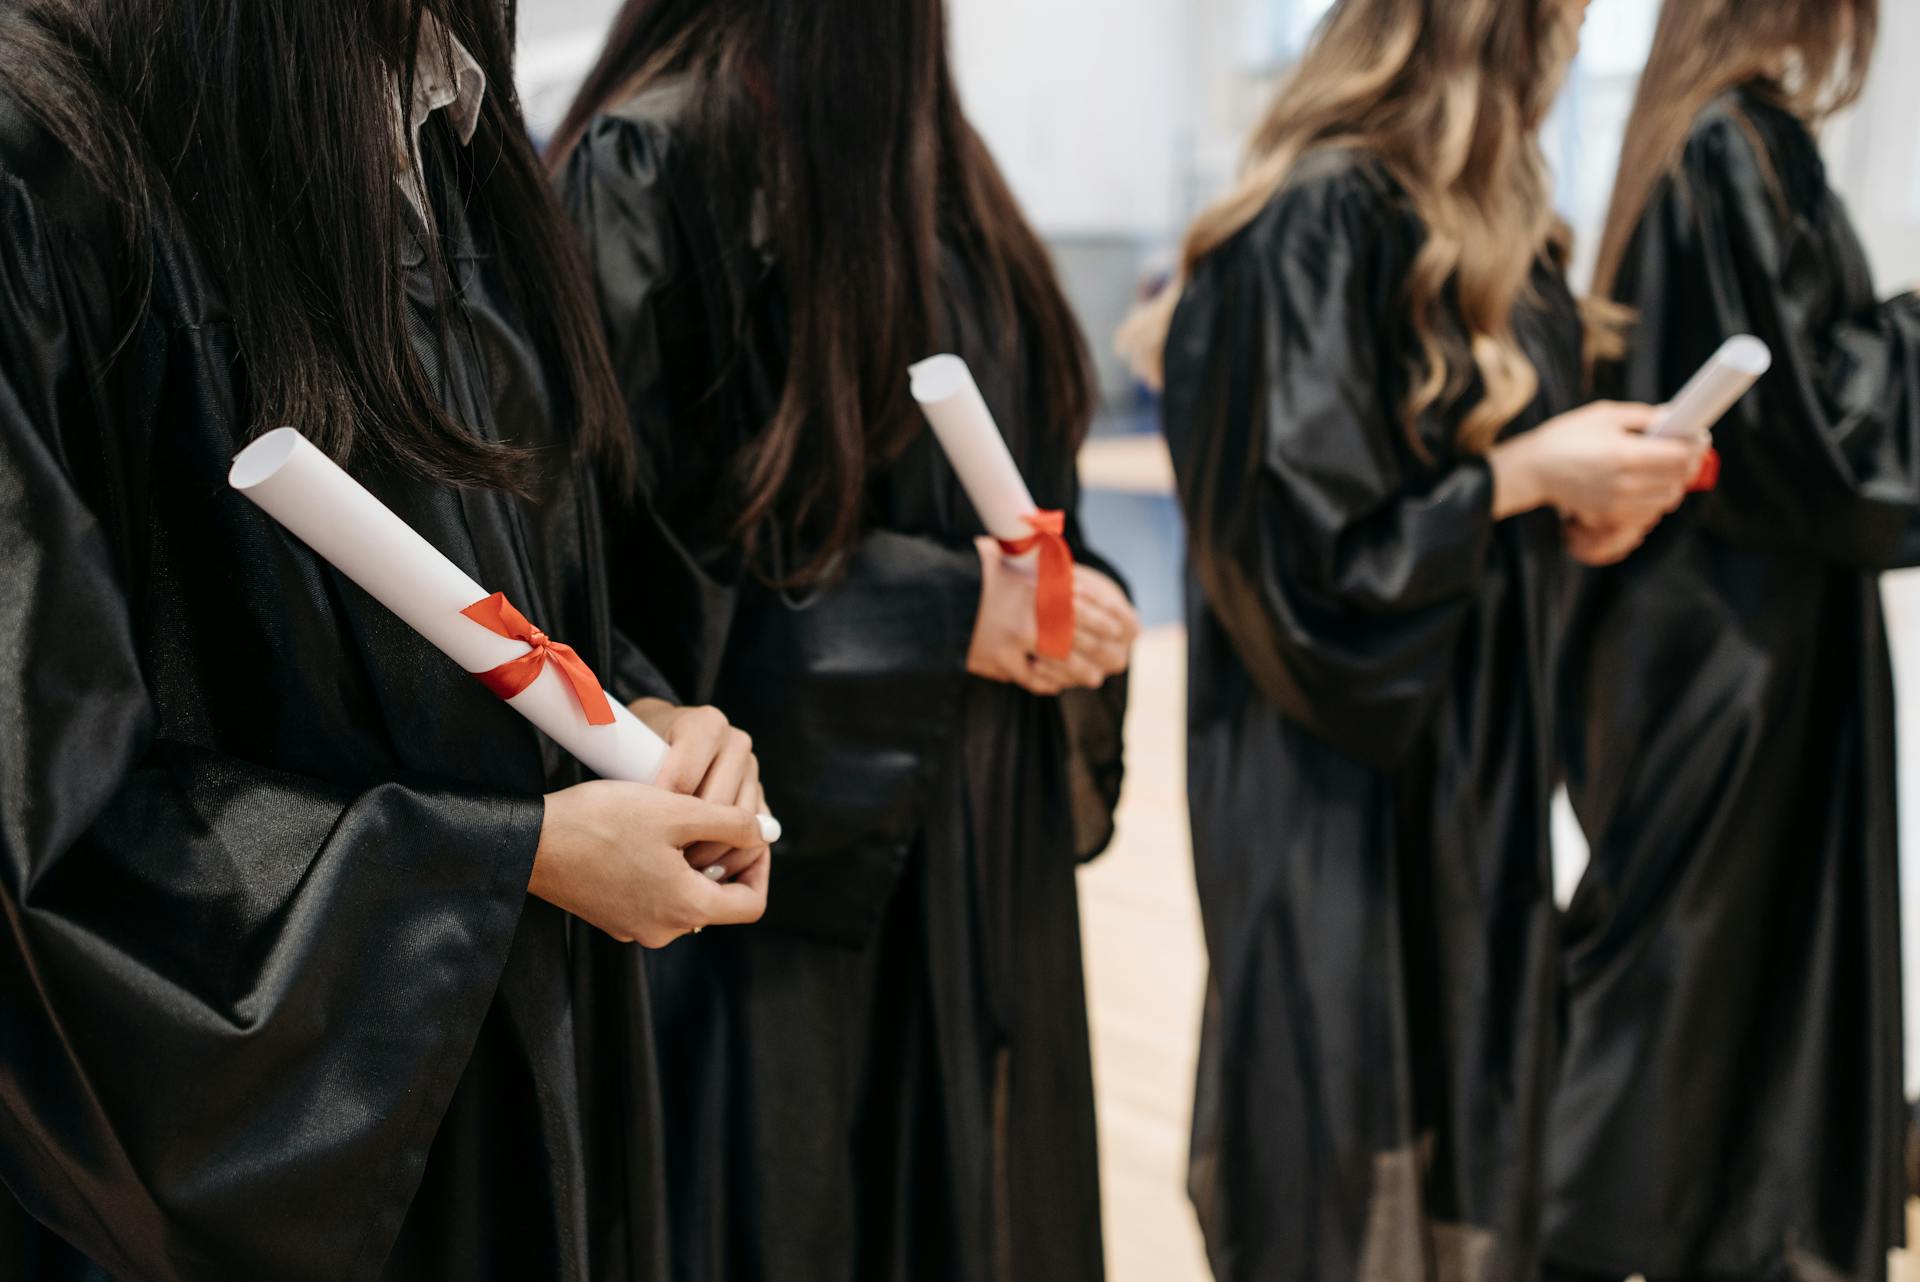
1810, 57
264, 129
842, 117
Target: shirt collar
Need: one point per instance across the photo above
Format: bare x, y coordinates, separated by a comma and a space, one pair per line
446, 77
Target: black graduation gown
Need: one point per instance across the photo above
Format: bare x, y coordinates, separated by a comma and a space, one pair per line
1369, 761
1731, 1099
274, 1002
889, 1079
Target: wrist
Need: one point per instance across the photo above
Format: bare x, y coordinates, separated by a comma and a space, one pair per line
558, 840
539, 884
1519, 486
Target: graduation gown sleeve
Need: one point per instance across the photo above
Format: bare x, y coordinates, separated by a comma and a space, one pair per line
1342, 567
1825, 456
234, 1001
820, 679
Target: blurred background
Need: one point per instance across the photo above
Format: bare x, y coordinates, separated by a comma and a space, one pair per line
1114, 123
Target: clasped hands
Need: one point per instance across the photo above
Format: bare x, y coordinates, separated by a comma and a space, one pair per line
1610, 482
648, 863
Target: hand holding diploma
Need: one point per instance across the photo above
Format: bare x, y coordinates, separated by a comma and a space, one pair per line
1688, 419
1596, 466
616, 856
1045, 623
542, 679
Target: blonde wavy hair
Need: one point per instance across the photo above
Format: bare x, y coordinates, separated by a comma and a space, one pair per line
1450, 96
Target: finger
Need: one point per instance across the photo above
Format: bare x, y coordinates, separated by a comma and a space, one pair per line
1107, 654
1635, 418
1037, 677
1122, 620
750, 797
1099, 619
1095, 586
691, 821
1651, 488
1638, 517
1115, 619
1112, 660
740, 902
729, 769
721, 862
1613, 553
732, 863
707, 854
1656, 455
693, 742
718, 861
1075, 670
1092, 644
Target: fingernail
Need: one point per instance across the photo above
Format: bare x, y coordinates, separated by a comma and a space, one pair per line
714, 872
769, 829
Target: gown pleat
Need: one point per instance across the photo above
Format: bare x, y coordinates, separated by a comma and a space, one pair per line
889, 1079
1731, 1103
1369, 760
274, 1002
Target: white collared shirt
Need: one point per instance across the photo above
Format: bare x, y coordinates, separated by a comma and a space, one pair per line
446, 77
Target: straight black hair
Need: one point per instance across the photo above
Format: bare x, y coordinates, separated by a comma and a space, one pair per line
842, 116
265, 130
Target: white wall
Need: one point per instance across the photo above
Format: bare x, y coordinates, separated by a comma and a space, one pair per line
1086, 105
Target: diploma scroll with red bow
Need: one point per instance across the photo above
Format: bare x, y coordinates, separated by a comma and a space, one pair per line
538, 677
964, 426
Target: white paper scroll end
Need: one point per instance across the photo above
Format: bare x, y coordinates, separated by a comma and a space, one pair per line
939, 378
1713, 392
260, 460
964, 426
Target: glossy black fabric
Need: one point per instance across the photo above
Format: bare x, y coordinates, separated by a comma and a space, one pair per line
1368, 762
889, 1079
273, 1000
1731, 1102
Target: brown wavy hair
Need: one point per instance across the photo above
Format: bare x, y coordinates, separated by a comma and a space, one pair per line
1450, 95
1811, 57
844, 117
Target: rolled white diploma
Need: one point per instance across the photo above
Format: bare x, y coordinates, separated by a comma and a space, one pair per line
951, 400
1713, 392
360, 536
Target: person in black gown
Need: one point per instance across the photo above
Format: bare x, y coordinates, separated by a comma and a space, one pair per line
1730, 1103
275, 1001
1373, 397
784, 207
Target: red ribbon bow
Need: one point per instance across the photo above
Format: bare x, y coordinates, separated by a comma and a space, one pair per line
1709, 478
1053, 595
496, 614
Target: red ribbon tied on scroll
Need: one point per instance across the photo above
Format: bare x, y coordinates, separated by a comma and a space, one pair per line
496, 614
1709, 478
1053, 595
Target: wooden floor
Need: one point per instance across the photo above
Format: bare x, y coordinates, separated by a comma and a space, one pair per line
1146, 969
